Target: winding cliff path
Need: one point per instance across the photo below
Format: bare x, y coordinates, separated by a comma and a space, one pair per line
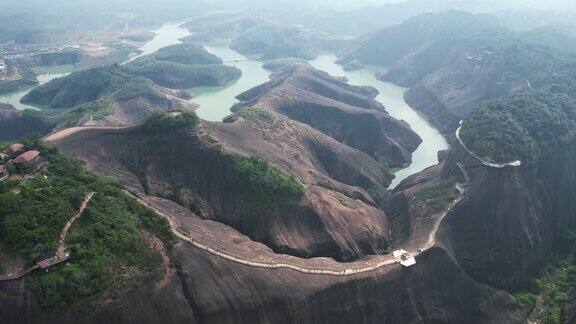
360, 267
61, 253
357, 268
65, 132
516, 163
61, 243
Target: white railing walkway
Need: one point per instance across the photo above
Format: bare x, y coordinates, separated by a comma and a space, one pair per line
272, 264
516, 163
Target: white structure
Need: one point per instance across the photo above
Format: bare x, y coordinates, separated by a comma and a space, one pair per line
405, 258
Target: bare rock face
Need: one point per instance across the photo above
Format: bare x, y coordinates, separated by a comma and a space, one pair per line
337, 217
510, 218
428, 293
344, 112
210, 290
480, 77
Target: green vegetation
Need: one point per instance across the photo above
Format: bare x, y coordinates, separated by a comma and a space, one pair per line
110, 82
107, 244
255, 114
524, 126
263, 180
526, 300
277, 64
556, 284
91, 92
15, 85
186, 54
434, 200
183, 76
176, 121
266, 189
273, 41
387, 165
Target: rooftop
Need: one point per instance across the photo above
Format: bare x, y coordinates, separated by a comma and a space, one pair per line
16, 147
2, 169
26, 157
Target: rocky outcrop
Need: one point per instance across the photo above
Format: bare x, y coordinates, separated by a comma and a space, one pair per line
432, 291
341, 183
511, 217
344, 112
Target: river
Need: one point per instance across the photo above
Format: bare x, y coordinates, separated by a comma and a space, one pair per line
168, 34
392, 97
215, 102
50, 73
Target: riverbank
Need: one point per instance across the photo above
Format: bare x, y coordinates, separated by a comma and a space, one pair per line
392, 97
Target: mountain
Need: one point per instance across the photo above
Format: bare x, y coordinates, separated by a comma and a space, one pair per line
15, 124
129, 93
339, 180
183, 76
265, 36
249, 174
108, 94
344, 112
183, 66
459, 60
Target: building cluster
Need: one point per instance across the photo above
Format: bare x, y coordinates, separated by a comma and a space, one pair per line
28, 163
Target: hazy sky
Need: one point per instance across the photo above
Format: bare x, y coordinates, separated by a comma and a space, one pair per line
8, 6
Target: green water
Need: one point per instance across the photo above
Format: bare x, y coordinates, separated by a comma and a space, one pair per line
215, 102
392, 97
50, 73
166, 35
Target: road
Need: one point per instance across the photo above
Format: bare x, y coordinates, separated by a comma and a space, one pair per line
516, 163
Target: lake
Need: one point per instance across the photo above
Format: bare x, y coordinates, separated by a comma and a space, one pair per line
215, 102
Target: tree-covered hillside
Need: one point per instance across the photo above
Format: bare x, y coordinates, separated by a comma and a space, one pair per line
523, 126
183, 76
186, 54
103, 83
110, 242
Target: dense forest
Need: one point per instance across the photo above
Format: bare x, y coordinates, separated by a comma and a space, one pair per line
521, 127
105, 241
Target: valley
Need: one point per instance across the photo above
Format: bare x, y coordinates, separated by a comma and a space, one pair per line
253, 166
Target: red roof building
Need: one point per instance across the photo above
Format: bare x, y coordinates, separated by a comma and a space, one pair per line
15, 149
26, 157
28, 162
